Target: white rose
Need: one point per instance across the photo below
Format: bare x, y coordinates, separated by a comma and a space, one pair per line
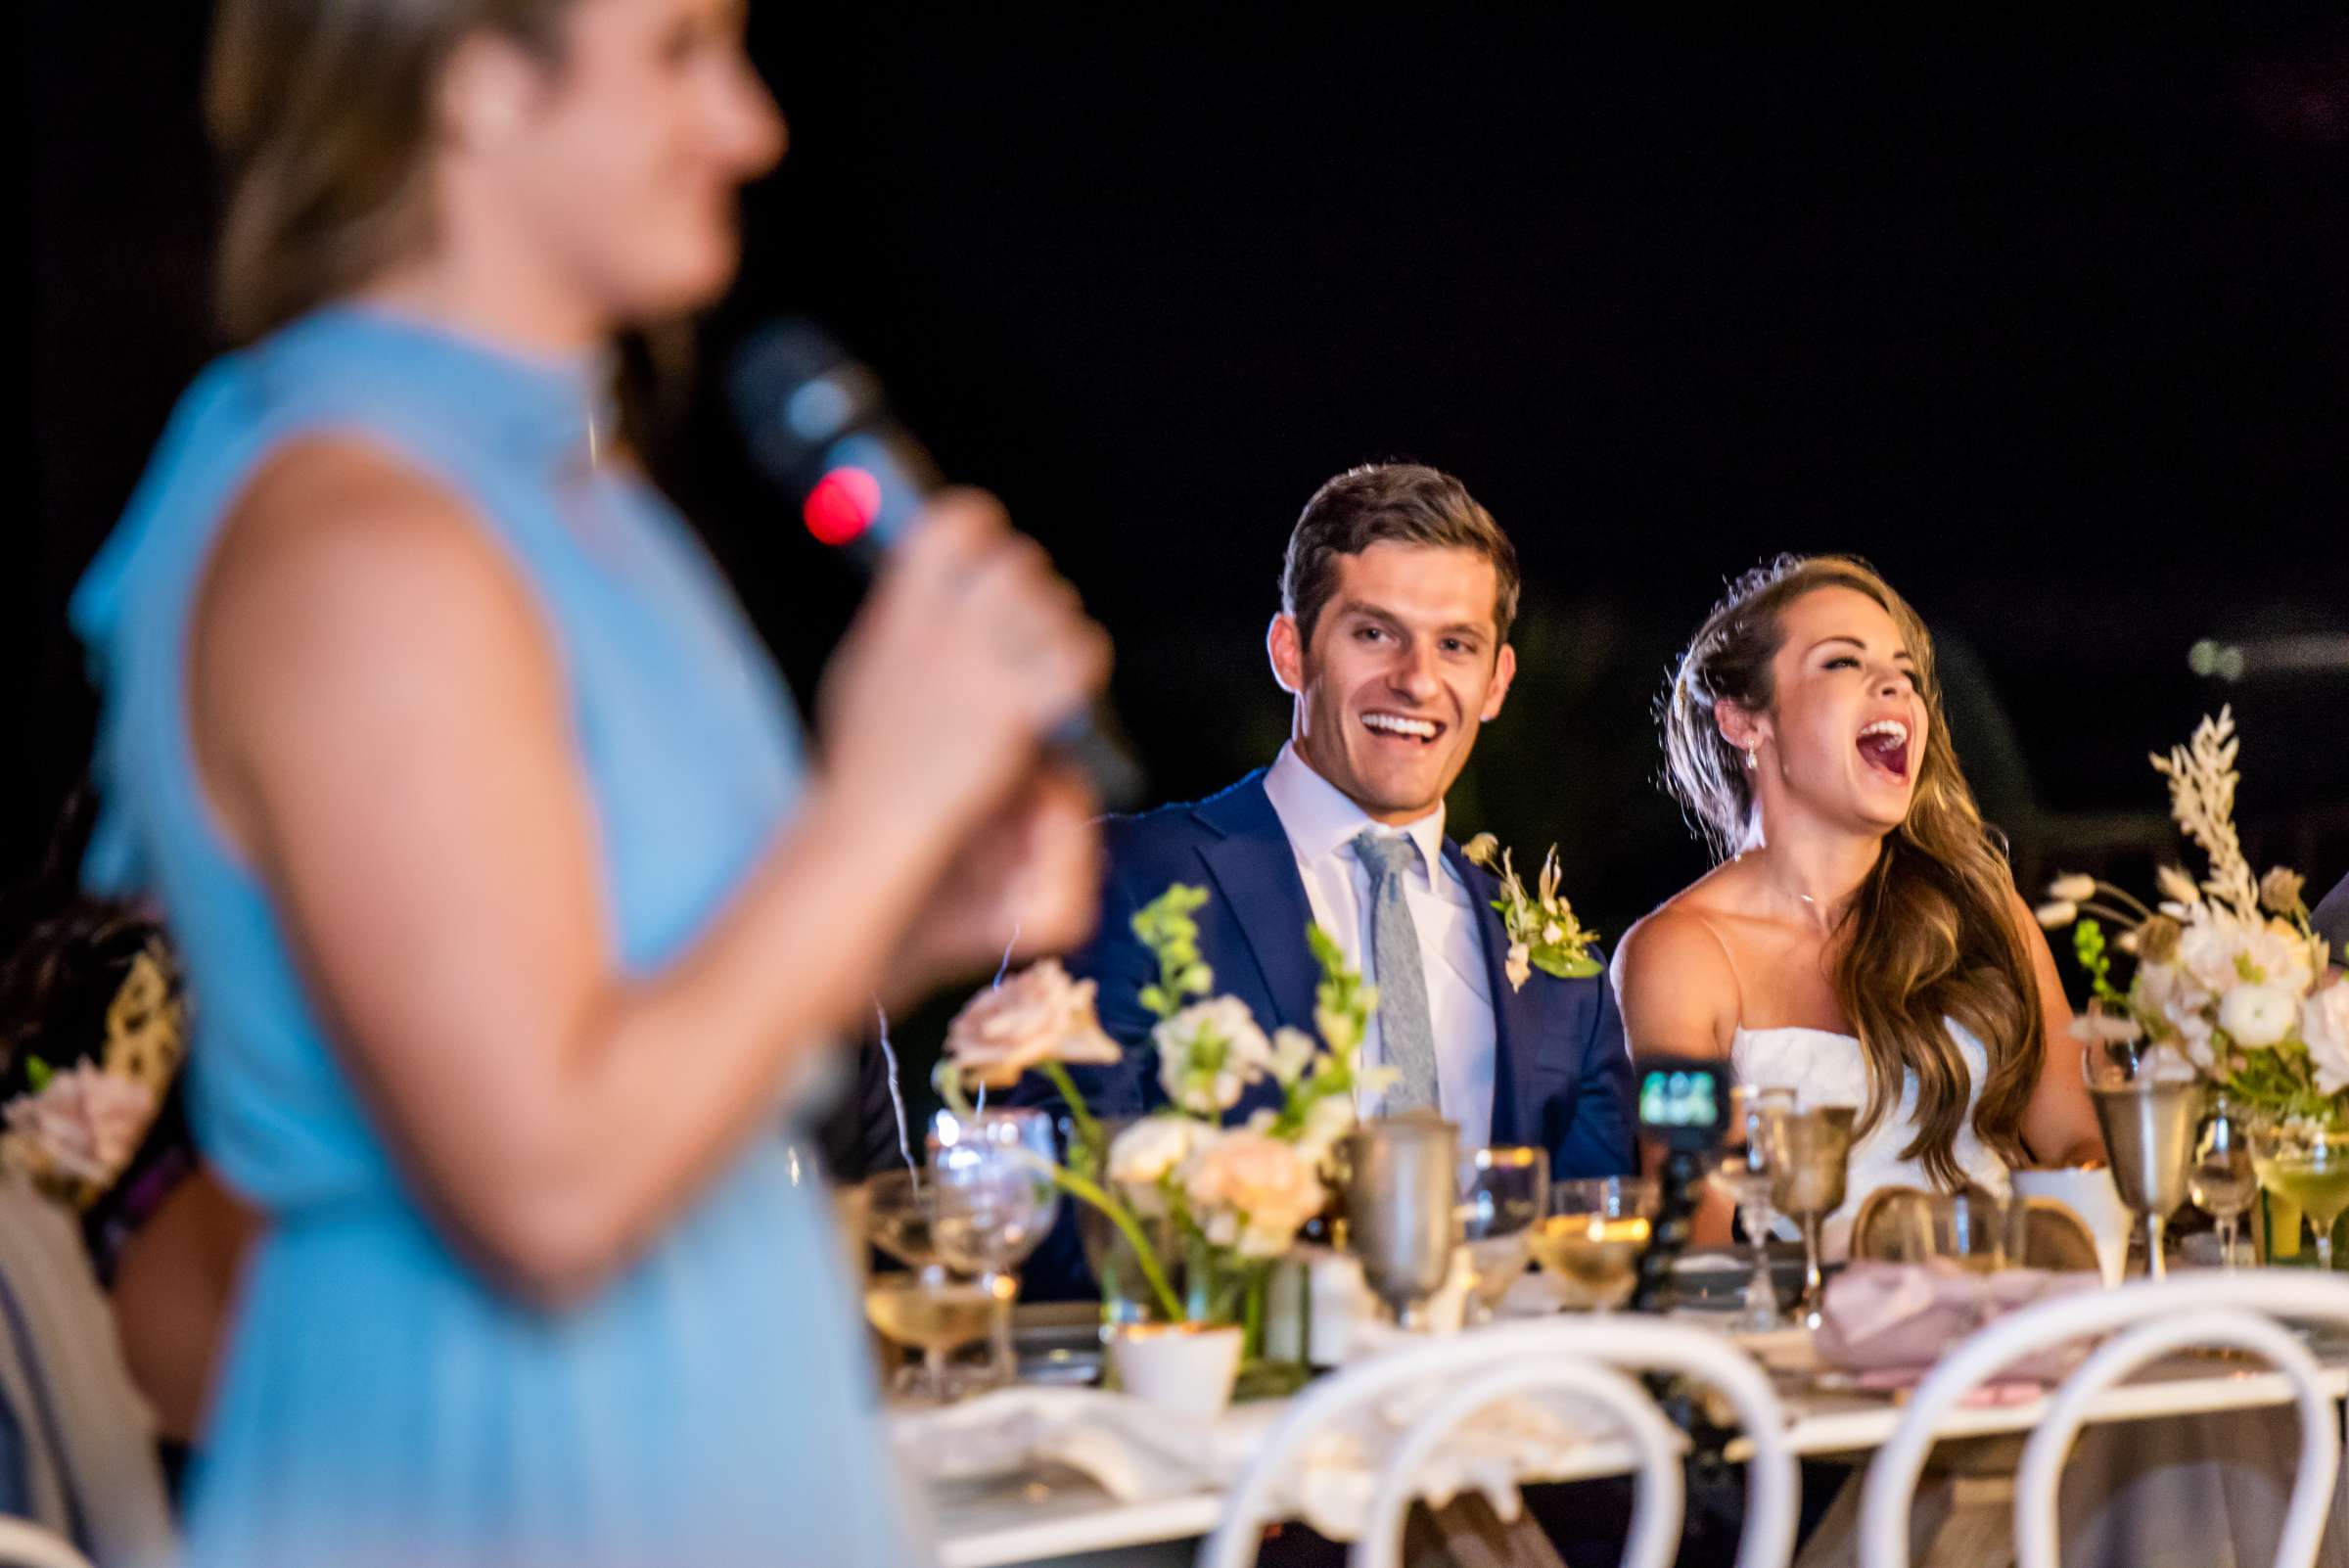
2279, 953
2209, 947
1209, 1053
1143, 1153
2194, 1028
1293, 1051
2325, 1027
2257, 1016
1329, 1119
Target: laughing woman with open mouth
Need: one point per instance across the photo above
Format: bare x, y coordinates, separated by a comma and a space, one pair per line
1862, 941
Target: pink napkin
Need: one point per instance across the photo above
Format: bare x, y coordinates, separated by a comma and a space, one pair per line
1889, 1323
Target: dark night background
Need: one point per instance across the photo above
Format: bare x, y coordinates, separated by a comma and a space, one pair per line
2055, 332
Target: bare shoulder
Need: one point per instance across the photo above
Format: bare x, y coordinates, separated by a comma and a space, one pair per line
1673, 942
354, 610
339, 551
339, 518
1674, 982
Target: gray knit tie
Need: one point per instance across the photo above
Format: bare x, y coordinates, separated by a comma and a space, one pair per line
1406, 1040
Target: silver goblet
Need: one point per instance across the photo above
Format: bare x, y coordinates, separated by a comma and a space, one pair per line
2149, 1132
1399, 1194
1810, 1155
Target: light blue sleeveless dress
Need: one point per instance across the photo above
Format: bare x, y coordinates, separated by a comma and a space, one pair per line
381, 1402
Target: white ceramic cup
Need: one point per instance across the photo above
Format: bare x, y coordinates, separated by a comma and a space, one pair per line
1188, 1367
2089, 1193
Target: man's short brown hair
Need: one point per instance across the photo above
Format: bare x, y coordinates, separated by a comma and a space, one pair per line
1407, 503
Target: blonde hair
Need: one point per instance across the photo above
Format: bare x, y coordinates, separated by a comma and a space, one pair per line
324, 111
1931, 935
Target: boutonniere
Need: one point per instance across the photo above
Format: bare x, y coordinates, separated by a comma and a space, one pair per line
1543, 933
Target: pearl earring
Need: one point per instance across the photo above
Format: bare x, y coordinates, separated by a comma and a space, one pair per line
1752, 761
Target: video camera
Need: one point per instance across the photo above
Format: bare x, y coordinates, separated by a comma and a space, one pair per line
1685, 1105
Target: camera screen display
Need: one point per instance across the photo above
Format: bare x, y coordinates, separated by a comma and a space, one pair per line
1676, 1098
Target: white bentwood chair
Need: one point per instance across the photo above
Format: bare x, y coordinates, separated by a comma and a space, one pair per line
2237, 1311
1583, 1356
25, 1544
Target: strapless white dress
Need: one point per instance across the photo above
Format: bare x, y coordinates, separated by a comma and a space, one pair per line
1824, 1068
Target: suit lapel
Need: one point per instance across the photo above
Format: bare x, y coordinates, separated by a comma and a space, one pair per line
1256, 871
1517, 1031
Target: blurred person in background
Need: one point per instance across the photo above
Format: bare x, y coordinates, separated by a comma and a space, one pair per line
523, 923
93, 1040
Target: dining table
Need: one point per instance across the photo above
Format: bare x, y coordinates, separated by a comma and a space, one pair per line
1053, 1515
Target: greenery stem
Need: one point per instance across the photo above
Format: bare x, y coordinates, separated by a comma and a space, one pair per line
1091, 1192
1088, 1131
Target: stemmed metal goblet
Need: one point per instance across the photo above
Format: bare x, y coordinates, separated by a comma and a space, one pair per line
1400, 1189
2148, 1120
1810, 1156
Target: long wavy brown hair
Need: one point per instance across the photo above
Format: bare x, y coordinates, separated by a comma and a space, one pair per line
1929, 937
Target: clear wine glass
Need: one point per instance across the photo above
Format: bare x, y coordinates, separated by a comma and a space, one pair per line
926, 1307
2223, 1181
1504, 1192
2307, 1168
1744, 1176
1592, 1241
996, 1200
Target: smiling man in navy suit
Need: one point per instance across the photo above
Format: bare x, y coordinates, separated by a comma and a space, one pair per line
1392, 638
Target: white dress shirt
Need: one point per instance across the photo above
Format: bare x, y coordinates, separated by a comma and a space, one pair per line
1322, 824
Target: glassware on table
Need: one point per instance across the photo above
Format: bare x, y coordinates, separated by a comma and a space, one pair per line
1810, 1157
2147, 1117
1504, 1192
1597, 1228
2223, 1181
995, 1201
2090, 1193
2307, 1167
1978, 1231
928, 1308
1401, 1190
1743, 1176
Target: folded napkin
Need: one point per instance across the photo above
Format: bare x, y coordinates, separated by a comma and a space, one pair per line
1137, 1452
1889, 1323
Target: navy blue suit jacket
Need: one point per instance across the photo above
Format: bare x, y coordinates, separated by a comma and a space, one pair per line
1563, 1076
2330, 918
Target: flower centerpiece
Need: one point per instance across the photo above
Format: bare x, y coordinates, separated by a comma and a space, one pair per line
2227, 970
1205, 1209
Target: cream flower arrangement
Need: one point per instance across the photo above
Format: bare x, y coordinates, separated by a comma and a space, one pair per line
1227, 1200
2227, 970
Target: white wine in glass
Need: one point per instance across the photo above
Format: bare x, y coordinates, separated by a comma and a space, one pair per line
1596, 1257
933, 1314
2223, 1181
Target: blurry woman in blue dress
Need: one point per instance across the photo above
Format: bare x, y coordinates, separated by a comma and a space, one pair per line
521, 921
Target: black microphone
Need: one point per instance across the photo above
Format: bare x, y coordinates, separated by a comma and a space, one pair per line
819, 429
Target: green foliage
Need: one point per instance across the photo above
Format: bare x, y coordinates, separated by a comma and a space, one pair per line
2095, 962
1165, 926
